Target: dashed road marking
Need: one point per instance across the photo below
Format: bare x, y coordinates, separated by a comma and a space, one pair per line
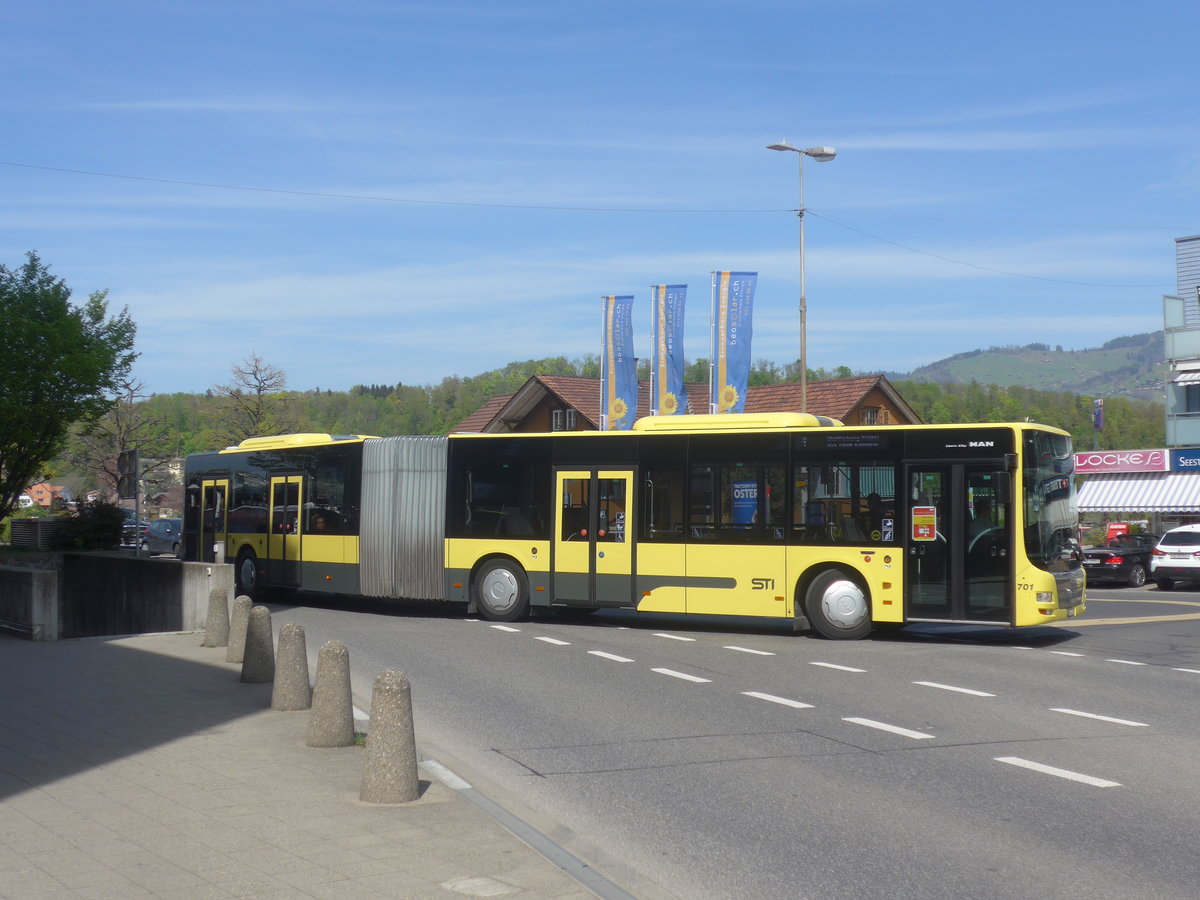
683, 675
555, 641
673, 637
1058, 773
894, 729
782, 701
1099, 718
611, 656
748, 650
826, 665
957, 690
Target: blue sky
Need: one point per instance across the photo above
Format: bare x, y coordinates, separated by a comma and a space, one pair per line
382, 192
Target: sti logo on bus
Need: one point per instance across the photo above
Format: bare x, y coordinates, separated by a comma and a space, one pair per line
762, 584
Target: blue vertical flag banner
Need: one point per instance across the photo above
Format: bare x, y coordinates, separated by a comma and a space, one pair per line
619, 367
669, 398
733, 315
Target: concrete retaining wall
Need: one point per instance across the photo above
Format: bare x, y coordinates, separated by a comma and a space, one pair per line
29, 602
109, 593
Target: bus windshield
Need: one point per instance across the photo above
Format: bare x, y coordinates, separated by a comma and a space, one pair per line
1051, 515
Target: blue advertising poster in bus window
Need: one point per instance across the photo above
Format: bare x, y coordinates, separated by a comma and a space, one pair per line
734, 312
669, 398
745, 502
619, 399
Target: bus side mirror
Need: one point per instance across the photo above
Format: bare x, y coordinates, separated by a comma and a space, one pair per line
1002, 485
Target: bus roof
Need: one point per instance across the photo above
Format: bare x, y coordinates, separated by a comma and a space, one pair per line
733, 422
278, 441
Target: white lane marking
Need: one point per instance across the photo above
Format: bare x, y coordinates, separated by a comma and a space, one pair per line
611, 656
836, 666
555, 641
957, 690
783, 701
1088, 715
1127, 662
445, 776
1058, 773
505, 628
683, 675
673, 637
1065, 653
894, 729
748, 650
1191, 671
1017, 647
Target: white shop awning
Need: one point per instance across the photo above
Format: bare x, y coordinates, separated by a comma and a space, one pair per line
1141, 492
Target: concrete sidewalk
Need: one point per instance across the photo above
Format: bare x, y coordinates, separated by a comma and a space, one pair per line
142, 767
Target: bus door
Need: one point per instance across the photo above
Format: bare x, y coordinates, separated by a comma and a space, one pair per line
959, 543
214, 510
283, 541
594, 538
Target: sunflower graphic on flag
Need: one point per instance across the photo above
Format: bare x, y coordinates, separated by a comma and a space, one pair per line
733, 308
618, 366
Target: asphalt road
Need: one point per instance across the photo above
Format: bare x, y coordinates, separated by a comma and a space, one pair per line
731, 758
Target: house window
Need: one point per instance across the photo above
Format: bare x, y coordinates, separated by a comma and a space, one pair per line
1191, 398
870, 415
556, 420
572, 420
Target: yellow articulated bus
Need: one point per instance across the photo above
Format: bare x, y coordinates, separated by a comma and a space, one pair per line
788, 515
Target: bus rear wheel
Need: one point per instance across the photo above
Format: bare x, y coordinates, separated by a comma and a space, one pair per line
837, 606
246, 575
502, 591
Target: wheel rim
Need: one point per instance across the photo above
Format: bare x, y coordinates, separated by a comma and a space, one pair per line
844, 605
499, 590
1139, 576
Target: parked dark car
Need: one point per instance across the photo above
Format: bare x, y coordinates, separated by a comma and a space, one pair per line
132, 531
163, 536
1126, 560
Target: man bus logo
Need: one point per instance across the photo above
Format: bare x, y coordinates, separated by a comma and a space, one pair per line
981, 443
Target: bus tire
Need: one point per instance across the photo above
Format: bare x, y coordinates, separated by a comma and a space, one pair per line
502, 591
245, 575
837, 606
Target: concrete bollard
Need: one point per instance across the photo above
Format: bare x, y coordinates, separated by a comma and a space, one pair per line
258, 664
390, 773
216, 626
291, 690
331, 722
237, 629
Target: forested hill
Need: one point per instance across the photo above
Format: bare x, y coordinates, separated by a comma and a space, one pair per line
1129, 366
186, 423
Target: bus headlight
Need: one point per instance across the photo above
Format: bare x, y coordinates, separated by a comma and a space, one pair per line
1045, 597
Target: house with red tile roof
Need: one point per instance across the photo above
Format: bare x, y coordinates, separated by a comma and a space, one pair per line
568, 403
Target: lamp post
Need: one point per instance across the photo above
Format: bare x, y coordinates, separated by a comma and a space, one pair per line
820, 154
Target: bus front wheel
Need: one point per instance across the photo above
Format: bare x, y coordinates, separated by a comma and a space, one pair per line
837, 606
502, 591
246, 574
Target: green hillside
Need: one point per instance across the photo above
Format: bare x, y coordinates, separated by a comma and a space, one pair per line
1130, 366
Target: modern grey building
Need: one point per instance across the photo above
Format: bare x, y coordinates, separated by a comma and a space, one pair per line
1181, 335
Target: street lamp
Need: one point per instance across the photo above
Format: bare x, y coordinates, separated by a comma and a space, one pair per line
820, 154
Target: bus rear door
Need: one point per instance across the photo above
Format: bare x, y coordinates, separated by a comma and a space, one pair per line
594, 538
214, 524
283, 542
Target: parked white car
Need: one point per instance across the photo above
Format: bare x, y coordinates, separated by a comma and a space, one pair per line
1177, 557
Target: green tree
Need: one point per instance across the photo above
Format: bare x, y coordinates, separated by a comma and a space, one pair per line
59, 365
